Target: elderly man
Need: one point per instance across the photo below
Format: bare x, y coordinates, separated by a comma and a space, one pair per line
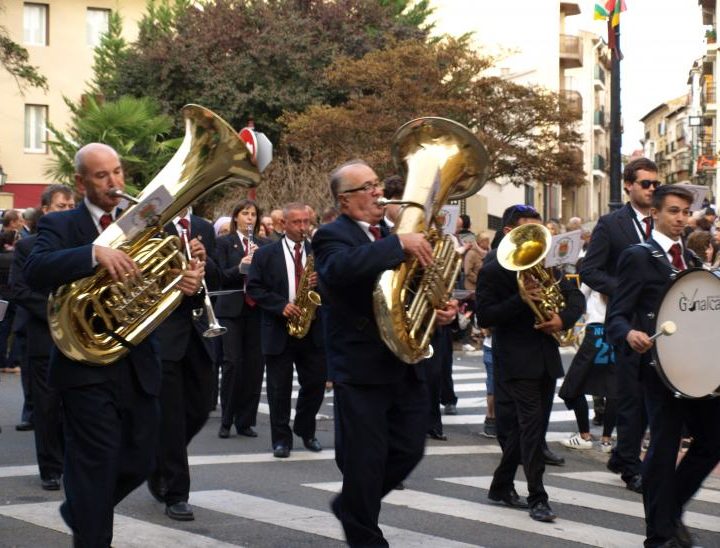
381, 403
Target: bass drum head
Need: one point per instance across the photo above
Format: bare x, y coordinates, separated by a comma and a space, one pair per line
686, 360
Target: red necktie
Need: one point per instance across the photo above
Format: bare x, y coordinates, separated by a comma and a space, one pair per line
297, 259
648, 227
375, 231
677, 260
105, 221
185, 225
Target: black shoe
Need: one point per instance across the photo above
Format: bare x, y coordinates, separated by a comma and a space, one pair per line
180, 511
510, 498
436, 435
451, 409
24, 426
157, 487
541, 511
248, 432
336, 507
224, 432
50, 484
613, 466
490, 428
400, 487
281, 451
552, 458
682, 535
312, 444
634, 483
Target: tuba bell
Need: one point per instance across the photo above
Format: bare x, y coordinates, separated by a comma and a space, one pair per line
96, 320
522, 250
443, 161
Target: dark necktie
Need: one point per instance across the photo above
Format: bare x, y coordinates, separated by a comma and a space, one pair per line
185, 225
375, 231
677, 260
297, 259
648, 227
105, 221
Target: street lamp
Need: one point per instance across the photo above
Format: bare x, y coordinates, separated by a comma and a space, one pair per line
3, 176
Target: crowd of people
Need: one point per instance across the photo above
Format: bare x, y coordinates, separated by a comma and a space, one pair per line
103, 431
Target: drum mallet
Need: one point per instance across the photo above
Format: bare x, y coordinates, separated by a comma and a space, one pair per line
666, 328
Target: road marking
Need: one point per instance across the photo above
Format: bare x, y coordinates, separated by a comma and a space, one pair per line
596, 502
555, 416
307, 520
17, 471
503, 517
606, 478
127, 532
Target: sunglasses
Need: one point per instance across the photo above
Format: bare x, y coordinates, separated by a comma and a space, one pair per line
647, 183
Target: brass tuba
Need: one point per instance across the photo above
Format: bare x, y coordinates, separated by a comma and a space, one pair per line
523, 250
307, 299
443, 161
96, 320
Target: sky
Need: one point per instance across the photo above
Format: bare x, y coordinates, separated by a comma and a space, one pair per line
659, 40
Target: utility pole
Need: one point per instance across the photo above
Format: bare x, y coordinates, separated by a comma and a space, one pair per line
615, 122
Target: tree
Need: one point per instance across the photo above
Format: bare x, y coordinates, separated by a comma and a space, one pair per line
133, 127
111, 52
16, 60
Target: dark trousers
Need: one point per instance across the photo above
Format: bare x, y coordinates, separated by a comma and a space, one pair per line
631, 415
110, 430
18, 355
242, 369
47, 417
435, 368
522, 407
312, 373
666, 489
379, 439
447, 394
185, 406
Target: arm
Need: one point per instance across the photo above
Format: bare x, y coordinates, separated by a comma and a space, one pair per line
35, 303
593, 271
492, 308
259, 287
229, 271
473, 262
574, 304
623, 304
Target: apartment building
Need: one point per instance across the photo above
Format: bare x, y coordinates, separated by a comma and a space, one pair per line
60, 36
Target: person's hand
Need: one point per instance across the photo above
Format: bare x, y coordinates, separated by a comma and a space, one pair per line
446, 314
192, 277
247, 259
118, 263
292, 311
639, 341
416, 245
313, 280
197, 250
553, 325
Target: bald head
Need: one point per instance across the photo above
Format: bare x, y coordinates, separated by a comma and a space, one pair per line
98, 172
88, 150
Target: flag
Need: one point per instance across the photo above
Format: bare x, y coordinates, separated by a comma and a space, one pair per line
613, 8
600, 12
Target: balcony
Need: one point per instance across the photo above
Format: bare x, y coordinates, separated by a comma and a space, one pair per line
599, 121
599, 80
708, 98
571, 103
569, 8
599, 163
570, 51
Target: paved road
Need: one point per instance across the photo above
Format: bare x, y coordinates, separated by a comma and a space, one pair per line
244, 497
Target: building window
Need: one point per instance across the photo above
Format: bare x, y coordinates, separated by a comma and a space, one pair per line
96, 25
35, 24
35, 124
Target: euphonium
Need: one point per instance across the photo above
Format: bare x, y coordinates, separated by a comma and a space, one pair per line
97, 320
307, 299
523, 250
443, 161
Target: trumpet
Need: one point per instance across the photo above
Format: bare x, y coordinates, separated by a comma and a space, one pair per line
214, 328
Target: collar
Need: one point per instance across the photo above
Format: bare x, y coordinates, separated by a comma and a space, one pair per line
389, 223
291, 244
640, 216
665, 242
96, 212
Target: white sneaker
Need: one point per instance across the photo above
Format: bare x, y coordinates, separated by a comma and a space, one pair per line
467, 347
606, 447
576, 442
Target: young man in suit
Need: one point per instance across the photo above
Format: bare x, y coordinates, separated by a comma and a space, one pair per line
645, 271
381, 403
47, 414
187, 375
110, 413
274, 278
527, 365
615, 232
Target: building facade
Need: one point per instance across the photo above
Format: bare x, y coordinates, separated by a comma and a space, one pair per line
60, 36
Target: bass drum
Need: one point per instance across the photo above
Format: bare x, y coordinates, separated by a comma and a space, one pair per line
686, 361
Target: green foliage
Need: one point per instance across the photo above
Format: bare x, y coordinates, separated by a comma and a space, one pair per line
133, 127
15, 59
111, 53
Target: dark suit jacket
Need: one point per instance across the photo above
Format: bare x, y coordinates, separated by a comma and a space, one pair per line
644, 273
34, 303
613, 233
268, 286
62, 254
174, 332
229, 253
348, 265
521, 351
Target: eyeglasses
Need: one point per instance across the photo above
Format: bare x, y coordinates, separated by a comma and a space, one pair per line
646, 183
367, 187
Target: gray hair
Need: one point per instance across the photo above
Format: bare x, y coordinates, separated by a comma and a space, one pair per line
337, 179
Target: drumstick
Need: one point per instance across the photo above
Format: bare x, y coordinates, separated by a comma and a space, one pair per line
666, 328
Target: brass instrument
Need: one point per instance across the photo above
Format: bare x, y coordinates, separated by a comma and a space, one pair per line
443, 161
307, 299
523, 250
214, 328
97, 320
